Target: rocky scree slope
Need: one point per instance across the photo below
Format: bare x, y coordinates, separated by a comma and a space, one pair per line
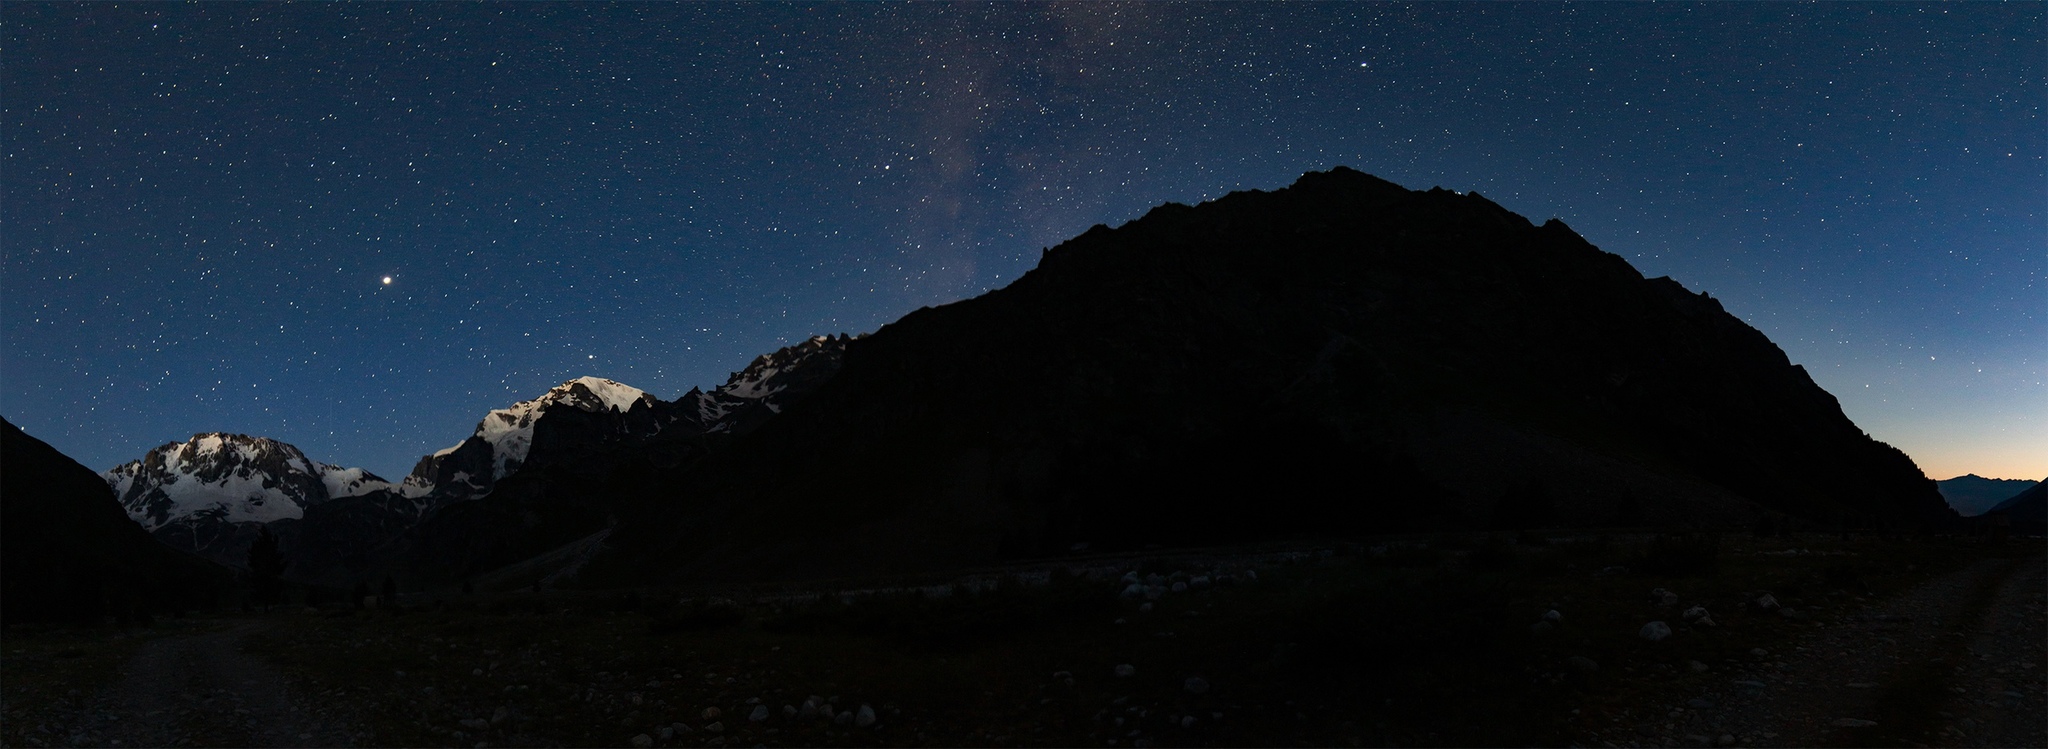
1344, 355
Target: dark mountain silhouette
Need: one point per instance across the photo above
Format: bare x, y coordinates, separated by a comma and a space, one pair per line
69, 552
1972, 494
1341, 356
2026, 512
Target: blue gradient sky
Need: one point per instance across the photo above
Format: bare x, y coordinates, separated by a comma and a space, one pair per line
198, 203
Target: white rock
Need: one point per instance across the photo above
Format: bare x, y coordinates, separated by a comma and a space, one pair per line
1655, 631
865, 718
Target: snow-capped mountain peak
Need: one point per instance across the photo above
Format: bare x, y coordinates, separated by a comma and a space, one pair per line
505, 436
232, 477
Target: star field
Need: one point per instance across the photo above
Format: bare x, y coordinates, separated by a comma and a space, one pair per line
357, 227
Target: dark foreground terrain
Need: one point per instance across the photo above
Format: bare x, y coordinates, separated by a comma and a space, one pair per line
1411, 641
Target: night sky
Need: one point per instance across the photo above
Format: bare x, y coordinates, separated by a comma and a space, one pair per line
200, 204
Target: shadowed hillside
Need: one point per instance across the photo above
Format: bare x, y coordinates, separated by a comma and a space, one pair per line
1341, 356
71, 554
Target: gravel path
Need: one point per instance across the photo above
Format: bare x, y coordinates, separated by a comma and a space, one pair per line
201, 689
1955, 662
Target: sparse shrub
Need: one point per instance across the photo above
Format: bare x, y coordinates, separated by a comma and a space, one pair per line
1681, 554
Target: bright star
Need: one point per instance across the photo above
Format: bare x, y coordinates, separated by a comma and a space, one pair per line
387, 280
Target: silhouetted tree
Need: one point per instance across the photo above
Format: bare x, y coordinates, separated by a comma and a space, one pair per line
266, 569
388, 594
362, 591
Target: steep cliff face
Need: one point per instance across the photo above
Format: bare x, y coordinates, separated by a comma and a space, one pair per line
1343, 355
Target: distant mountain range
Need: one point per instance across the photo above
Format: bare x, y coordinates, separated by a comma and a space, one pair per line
1973, 495
210, 494
1342, 356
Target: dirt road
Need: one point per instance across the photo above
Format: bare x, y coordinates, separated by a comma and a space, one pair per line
201, 689
1957, 661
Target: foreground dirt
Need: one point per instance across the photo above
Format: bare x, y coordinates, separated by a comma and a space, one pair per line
1956, 661
196, 687
1955, 658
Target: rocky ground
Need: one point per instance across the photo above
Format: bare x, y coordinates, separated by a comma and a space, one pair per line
1432, 642
1956, 661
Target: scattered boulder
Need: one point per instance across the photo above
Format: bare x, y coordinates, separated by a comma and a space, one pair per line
1759, 652
1655, 631
1694, 614
476, 724
1542, 628
844, 718
788, 711
1199, 582
1180, 587
1196, 685
1764, 602
667, 733
716, 727
642, 741
1662, 597
1582, 664
712, 713
501, 715
865, 718
1133, 591
1125, 670
1853, 723
1552, 616
1698, 668
759, 714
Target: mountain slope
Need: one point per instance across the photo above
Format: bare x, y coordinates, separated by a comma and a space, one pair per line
1344, 355
577, 488
1972, 494
70, 553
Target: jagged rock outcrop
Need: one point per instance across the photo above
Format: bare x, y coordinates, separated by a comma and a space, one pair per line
1344, 355
71, 554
